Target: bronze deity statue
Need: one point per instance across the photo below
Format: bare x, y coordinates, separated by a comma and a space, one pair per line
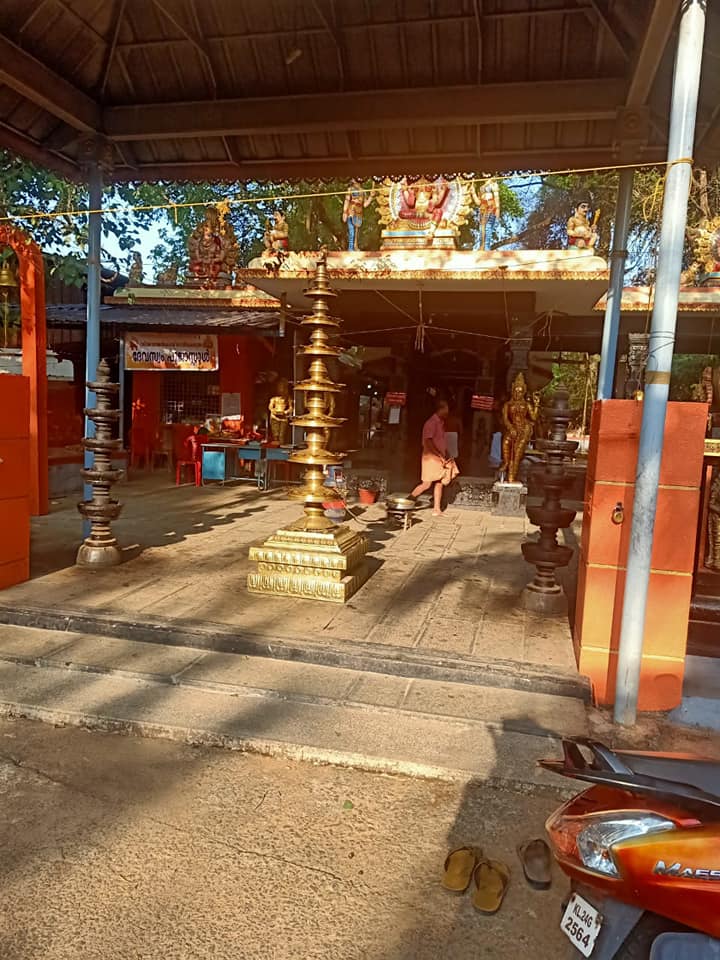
519, 415
713, 530
279, 409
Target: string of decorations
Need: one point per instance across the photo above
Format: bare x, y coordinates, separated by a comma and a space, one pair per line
224, 205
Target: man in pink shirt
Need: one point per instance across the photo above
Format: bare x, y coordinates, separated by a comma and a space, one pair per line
437, 468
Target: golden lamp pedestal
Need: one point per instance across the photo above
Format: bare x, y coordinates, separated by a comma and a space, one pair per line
316, 565
312, 558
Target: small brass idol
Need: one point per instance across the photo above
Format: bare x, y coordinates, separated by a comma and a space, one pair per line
713, 531
312, 557
519, 415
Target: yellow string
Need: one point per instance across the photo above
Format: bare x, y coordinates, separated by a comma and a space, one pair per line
148, 207
649, 209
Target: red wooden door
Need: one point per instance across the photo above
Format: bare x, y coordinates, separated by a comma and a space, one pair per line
14, 480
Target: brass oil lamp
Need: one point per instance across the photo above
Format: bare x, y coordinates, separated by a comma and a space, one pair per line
313, 558
8, 283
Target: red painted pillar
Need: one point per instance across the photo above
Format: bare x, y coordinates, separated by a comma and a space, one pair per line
612, 465
34, 359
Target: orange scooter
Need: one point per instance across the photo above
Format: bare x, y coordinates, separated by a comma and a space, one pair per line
642, 849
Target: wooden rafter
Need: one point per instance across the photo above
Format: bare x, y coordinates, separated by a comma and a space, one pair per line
654, 40
47, 89
193, 36
112, 46
445, 106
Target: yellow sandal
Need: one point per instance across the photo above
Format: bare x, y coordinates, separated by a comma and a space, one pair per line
459, 867
492, 878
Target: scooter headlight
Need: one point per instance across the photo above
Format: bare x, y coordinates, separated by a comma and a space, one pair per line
596, 839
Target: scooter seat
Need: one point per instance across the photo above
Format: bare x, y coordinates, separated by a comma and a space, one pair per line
685, 946
676, 768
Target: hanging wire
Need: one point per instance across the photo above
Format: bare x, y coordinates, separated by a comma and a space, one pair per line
276, 198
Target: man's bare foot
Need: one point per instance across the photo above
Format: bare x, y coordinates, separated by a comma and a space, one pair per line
435, 513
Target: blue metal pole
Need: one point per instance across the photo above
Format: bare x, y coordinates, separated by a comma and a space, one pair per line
683, 109
92, 343
611, 324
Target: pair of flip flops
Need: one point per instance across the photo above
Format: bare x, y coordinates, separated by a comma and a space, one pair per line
491, 878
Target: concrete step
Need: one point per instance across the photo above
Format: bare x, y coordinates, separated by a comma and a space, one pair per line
328, 714
401, 662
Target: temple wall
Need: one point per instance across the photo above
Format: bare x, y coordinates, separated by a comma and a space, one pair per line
615, 433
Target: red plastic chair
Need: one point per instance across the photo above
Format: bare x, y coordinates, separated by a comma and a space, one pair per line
194, 445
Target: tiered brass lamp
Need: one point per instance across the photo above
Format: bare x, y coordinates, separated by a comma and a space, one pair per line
314, 558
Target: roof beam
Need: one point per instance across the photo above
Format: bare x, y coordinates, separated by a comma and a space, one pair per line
613, 26
378, 109
45, 88
332, 167
652, 47
36, 152
110, 52
192, 36
366, 26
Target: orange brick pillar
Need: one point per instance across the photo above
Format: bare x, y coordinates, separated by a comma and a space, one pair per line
612, 462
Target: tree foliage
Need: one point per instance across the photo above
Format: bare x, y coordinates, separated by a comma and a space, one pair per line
534, 213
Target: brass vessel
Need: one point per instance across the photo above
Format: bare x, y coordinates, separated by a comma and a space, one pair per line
314, 558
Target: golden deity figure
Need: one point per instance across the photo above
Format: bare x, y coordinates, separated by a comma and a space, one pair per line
423, 212
213, 250
277, 233
713, 530
487, 200
280, 410
581, 231
357, 199
519, 415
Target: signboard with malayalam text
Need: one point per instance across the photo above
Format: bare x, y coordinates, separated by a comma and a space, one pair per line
190, 352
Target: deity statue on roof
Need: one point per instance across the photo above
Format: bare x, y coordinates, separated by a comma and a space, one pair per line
135, 274
213, 250
581, 231
705, 268
487, 200
423, 213
519, 415
277, 233
168, 277
357, 199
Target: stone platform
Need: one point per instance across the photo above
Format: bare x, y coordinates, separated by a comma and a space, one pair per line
444, 600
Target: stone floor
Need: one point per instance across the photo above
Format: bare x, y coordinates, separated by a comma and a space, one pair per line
132, 849
448, 586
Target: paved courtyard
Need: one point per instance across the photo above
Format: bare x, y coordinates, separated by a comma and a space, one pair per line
135, 849
446, 588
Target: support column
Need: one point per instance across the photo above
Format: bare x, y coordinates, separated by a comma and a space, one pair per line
97, 159
92, 341
611, 324
683, 110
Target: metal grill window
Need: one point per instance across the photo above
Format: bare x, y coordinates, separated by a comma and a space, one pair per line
190, 397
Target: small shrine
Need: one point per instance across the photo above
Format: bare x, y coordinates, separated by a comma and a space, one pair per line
424, 214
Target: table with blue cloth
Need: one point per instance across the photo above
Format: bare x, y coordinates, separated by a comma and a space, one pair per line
223, 461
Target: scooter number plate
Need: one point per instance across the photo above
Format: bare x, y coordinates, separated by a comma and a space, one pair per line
581, 923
